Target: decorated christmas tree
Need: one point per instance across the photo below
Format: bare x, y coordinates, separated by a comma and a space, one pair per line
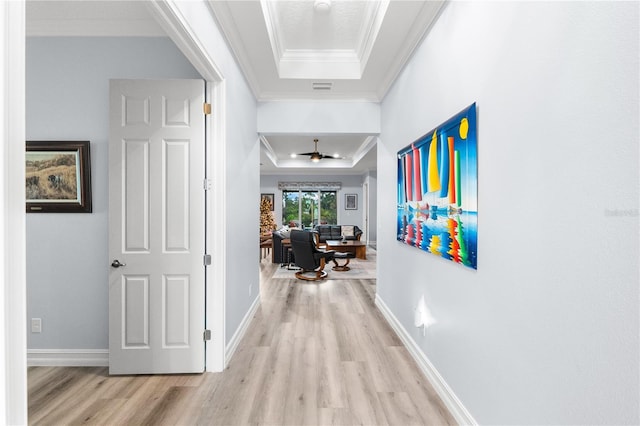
267, 222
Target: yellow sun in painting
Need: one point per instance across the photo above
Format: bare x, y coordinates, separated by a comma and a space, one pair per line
464, 128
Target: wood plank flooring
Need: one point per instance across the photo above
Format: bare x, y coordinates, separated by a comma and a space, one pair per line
315, 354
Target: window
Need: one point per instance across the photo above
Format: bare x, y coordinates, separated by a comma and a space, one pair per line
305, 209
291, 208
329, 207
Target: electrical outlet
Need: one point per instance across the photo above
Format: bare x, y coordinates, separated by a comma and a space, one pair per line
36, 325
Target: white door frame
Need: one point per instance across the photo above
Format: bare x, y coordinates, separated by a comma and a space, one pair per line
13, 329
174, 24
365, 209
13, 343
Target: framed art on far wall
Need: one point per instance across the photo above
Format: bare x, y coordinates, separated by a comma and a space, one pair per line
269, 197
351, 201
58, 177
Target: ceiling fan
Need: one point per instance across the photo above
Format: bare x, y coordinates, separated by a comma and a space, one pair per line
316, 156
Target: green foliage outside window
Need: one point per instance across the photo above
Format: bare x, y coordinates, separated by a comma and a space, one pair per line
291, 208
329, 207
309, 208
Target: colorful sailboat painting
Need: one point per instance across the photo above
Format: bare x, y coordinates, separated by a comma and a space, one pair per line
438, 191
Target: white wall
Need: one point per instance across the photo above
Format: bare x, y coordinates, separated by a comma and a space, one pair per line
316, 118
67, 99
13, 339
546, 330
241, 175
372, 181
351, 184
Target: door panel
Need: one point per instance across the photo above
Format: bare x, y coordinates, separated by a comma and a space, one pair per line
156, 227
136, 187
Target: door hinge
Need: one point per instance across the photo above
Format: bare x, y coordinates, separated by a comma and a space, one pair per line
206, 107
207, 260
207, 335
207, 184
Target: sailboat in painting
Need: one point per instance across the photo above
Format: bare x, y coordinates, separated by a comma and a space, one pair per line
437, 190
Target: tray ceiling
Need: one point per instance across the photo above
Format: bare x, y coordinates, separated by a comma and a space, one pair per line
303, 49
344, 50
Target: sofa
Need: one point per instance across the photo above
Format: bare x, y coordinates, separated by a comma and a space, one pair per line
335, 232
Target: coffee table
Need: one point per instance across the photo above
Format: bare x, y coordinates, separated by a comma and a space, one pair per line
358, 248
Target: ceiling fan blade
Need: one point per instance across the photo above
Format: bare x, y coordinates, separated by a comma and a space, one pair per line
316, 155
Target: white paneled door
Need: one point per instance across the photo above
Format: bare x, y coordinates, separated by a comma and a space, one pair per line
156, 227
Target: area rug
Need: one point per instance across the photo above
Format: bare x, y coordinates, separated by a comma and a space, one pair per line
360, 269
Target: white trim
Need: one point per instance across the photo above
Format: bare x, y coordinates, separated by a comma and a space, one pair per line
450, 400
242, 329
13, 303
177, 28
217, 228
68, 357
221, 13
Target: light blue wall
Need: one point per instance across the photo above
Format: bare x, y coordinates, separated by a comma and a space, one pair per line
67, 99
546, 330
242, 176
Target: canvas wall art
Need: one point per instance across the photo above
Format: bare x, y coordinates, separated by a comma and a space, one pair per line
438, 191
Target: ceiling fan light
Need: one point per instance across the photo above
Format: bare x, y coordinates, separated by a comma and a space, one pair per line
293, 155
315, 157
322, 6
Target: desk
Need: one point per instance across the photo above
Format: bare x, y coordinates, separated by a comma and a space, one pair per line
358, 248
266, 246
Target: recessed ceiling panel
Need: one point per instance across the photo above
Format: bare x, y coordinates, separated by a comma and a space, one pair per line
283, 47
330, 43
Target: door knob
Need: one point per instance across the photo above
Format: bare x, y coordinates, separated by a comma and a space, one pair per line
116, 264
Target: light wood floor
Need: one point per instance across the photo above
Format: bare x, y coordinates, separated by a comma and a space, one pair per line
315, 354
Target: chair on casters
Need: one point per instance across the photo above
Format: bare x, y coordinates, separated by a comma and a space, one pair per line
308, 257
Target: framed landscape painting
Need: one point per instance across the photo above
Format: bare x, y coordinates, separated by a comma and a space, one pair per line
438, 191
58, 177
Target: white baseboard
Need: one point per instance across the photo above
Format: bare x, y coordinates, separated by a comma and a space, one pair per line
100, 357
68, 357
450, 400
240, 332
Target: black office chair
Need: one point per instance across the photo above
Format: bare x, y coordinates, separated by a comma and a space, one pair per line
308, 257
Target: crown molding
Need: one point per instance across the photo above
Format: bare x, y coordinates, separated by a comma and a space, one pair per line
221, 12
429, 14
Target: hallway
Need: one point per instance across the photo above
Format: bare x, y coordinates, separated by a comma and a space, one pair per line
315, 354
